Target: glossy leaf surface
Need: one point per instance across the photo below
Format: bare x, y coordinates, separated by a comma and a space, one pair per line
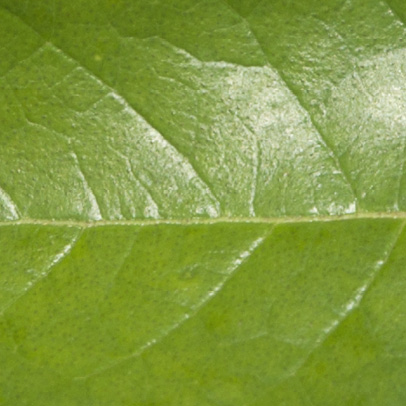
202, 203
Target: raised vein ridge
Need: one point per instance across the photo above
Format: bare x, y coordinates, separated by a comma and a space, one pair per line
202, 221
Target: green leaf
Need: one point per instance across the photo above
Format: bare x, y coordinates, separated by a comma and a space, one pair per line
202, 203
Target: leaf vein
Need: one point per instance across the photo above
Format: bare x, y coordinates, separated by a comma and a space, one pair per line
66, 250
236, 264
120, 98
10, 205
317, 128
350, 306
201, 221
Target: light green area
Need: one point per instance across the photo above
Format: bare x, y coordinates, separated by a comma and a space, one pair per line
259, 115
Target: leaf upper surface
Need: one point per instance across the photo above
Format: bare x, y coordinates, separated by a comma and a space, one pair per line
202, 203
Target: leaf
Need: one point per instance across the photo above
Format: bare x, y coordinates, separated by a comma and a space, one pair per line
202, 202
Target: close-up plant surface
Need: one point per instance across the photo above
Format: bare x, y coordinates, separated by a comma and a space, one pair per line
202, 202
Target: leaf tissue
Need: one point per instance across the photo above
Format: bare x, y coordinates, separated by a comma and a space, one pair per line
202, 202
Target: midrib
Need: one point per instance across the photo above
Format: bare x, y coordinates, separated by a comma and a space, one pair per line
203, 221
